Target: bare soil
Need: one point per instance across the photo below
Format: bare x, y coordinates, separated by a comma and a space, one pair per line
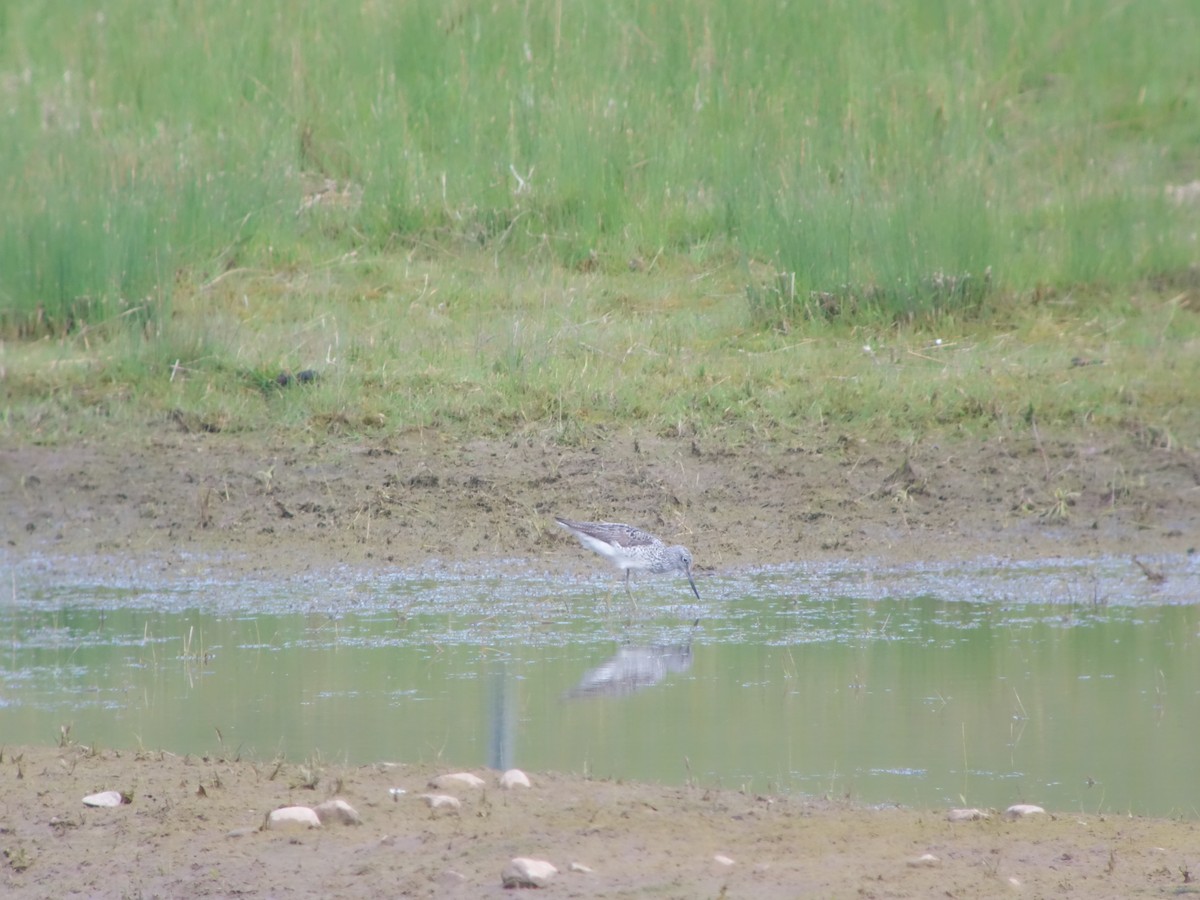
192, 829
419, 501
173, 498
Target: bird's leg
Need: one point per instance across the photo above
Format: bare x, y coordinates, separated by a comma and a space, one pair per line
629, 592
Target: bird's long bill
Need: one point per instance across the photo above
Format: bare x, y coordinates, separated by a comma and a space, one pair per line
692, 582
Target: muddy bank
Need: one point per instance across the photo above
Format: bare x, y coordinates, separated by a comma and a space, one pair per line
419, 501
193, 829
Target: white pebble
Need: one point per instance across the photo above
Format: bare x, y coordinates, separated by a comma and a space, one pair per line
458, 779
514, 778
924, 861
525, 872
722, 859
104, 798
337, 812
581, 868
441, 801
293, 817
1018, 810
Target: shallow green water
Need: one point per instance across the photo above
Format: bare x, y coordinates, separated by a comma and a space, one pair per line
1075, 686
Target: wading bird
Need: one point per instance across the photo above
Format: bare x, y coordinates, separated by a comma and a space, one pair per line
631, 548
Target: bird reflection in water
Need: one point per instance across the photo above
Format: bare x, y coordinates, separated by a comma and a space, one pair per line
633, 668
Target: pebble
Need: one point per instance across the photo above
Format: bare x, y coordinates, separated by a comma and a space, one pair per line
966, 815
924, 861
1019, 810
441, 801
293, 817
514, 778
458, 779
104, 798
525, 872
581, 868
722, 859
337, 812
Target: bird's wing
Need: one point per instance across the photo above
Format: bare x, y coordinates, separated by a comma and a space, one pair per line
614, 533
628, 536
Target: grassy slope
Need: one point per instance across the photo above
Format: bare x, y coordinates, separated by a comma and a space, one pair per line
444, 343
568, 218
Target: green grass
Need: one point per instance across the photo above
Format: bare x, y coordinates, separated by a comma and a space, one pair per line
573, 217
407, 344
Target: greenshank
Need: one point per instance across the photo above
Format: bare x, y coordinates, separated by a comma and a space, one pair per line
631, 548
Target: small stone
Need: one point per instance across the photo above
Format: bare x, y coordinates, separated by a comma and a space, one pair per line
293, 817
240, 832
397, 793
924, 861
105, 798
723, 860
525, 872
514, 778
337, 812
966, 815
1020, 810
458, 779
441, 801
581, 868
